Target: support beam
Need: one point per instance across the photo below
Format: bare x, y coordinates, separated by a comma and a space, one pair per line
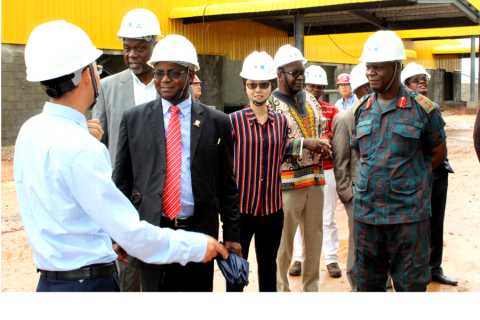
472, 69
369, 17
276, 24
299, 29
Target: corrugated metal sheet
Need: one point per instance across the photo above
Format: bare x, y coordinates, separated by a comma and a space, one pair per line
101, 20
254, 6
443, 32
237, 39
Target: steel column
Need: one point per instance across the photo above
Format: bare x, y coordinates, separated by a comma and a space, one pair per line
472, 69
299, 33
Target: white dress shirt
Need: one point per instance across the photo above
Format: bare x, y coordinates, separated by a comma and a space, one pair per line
70, 206
143, 93
185, 116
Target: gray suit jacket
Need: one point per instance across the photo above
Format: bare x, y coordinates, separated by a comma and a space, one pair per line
115, 96
345, 161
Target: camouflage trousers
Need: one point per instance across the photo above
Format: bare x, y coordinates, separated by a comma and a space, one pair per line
403, 249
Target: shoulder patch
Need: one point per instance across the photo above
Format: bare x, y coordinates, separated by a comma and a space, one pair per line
425, 103
360, 102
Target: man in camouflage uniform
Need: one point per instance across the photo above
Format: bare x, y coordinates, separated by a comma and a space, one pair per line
399, 138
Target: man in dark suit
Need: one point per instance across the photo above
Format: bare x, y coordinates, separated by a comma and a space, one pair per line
175, 162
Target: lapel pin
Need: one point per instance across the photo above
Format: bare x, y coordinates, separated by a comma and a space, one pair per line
197, 123
219, 140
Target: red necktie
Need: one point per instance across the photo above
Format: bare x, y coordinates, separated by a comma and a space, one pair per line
171, 192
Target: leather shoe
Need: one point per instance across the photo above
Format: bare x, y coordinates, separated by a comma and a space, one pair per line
296, 269
334, 270
443, 279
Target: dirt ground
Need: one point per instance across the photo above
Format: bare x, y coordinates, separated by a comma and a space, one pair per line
461, 257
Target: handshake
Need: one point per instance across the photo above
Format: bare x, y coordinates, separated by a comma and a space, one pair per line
213, 249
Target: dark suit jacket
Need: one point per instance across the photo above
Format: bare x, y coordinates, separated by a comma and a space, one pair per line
141, 162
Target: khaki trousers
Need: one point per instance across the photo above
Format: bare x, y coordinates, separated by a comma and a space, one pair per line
302, 207
351, 246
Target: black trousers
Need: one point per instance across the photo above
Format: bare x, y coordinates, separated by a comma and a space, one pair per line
268, 233
193, 277
439, 202
106, 285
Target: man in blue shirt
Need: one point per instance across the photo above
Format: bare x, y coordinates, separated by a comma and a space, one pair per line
69, 205
348, 98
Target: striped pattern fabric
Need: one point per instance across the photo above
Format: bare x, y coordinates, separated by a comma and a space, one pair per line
329, 111
171, 192
259, 151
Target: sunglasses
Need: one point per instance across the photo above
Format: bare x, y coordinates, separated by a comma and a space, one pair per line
172, 75
262, 85
417, 81
295, 73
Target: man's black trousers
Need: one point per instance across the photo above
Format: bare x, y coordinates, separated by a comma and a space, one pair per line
439, 202
193, 277
268, 233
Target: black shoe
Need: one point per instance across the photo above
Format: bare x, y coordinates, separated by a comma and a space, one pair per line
443, 279
296, 269
334, 270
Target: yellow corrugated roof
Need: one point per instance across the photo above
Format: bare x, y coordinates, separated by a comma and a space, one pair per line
452, 49
257, 6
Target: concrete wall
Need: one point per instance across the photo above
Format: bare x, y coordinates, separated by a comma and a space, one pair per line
211, 73
21, 99
436, 85
234, 93
466, 91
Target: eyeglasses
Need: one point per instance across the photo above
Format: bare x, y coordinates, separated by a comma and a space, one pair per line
295, 73
99, 69
172, 75
262, 85
417, 81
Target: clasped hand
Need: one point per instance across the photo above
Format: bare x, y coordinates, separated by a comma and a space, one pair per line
320, 146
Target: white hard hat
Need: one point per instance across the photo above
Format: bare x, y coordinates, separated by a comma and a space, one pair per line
177, 49
57, 49
316, 75
358, 76
413, 69
287, 54
138, 24
258, 66
383, 46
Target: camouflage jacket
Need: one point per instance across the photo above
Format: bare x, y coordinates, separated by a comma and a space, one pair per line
395, 177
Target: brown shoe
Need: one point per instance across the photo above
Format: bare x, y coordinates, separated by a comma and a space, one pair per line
334, 270
296, 269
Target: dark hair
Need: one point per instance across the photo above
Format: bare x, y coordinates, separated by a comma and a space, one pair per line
59, 87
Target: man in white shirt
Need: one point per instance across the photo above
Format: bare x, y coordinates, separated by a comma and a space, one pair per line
69, 204
124, 90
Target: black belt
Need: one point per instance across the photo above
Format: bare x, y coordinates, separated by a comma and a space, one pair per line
88, 272
177, 222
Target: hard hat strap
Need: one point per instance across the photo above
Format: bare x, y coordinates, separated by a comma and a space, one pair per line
95, 88
391, 81
180, 93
